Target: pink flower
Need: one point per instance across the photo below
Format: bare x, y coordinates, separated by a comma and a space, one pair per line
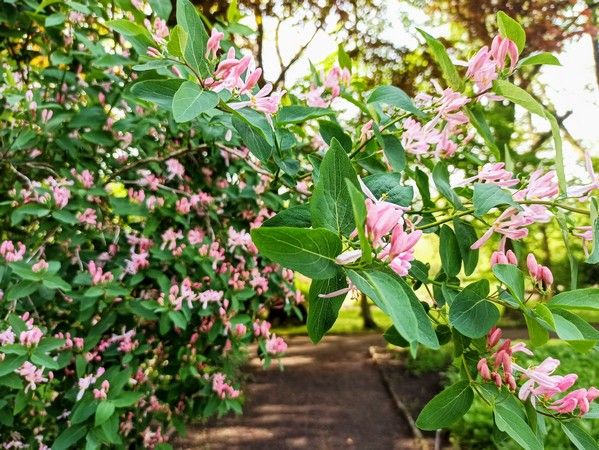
275, 345
416, 138
101, 394
580, 398
174, 169
501, 48
381, 218
98, 275
541, 275
510, 224
366, 131
7, 336
213, 44
493, 337
32, 375
500, 257
482, 70
262, 101
222, 388
314, 98
61, 196
10, 253
400, 252
40, 266
540, 186
31, 337
493, 173
483, 369
585, 190
87, 217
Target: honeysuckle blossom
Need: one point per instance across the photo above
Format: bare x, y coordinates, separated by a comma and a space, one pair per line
580, 398
31, 337
583, 191
10, 253
541, 275
32, 375
400, 251
40, 266
275, 345
538, 383
500, 257
85, 382
502, 48
585, 232
493, 173
222, 388
213, 43
485, 65
102, 393
510, 224
98, 276
262, 101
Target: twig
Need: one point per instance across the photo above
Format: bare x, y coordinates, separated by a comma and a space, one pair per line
299, 53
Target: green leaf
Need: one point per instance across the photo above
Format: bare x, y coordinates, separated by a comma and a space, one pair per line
323, 312
21, 289
394, 96
540, 58
570, 327
512, 277
449, 251
388, 186
178, 319
439, 53
253, 138
191, 100
512, 30
359, 210
331, 205
128, 28
127, 398
299, 114
579, 436
594, 255
30, 209
387, 292
104, 411
537, 334
518, 96
394, 152
441, 179
446, 407
161, 8
487, 196
296, 216
160, 91
177, 41
467, 237
471, 313
343, 58
65, 217
559, 156
478, 121
578, 299
393, 337
11, 363
310, 252
195, 47
69, 437
330, 130
514, 425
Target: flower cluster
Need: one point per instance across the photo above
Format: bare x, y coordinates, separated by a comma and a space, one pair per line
537, 383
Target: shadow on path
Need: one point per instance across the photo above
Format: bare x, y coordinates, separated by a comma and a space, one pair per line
329, 396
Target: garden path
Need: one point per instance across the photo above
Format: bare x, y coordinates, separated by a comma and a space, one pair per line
329, 396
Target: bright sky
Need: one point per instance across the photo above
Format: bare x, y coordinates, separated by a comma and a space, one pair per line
571, 86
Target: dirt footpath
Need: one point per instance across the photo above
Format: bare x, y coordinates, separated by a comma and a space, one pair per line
329, 396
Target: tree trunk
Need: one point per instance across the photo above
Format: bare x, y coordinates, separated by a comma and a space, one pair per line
369, 323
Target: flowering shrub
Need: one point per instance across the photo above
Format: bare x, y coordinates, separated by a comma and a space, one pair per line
140, 157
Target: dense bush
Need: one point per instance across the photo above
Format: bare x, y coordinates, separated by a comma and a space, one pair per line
131, 287
131, 283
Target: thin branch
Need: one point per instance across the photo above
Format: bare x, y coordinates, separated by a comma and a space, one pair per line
299, 53
151, 159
